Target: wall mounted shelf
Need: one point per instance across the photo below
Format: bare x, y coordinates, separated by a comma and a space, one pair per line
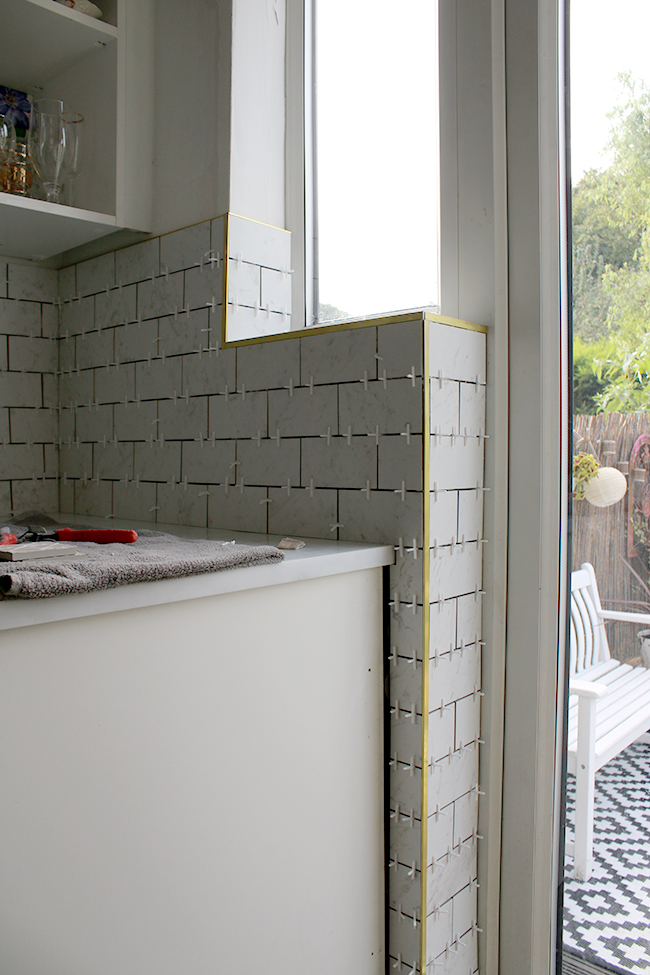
104, 71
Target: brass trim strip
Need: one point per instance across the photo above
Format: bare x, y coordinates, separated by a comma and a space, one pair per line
350, 324
224, 276
426, 619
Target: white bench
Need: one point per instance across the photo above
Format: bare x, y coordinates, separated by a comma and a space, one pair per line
609, 704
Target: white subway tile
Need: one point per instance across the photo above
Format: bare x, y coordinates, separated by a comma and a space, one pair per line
338, 356
405, 633
67, 282
32, 354
21, 460
210, 462
404, 940
21, 389
238, 510
35, 425
4, 431
339, 464
268, 463
469, 618
67, 424
269, 365
441, 727
66, 496
93, 425
276, 290
443, 515
35, 495
237, 417
134, 502
114, 383
455, 463
76, 388
472, 407
244, 283
453, 675
67, 352
154, 462
383, 518
188, 333
96, 274
465, 816
4, 356
113, 461
445, 406
32, 283
259, 243
406, 788
204, 286
77, 316
442, 628
455, 570
137, 342
162, 296
440, 932
450, 780
249, 323
209, 373
159, 379
49, 321
184, 419
115, 307
182, 505
135, 421
137, 262
464, 910
406, 576
389, 408
470, 514
302, 413
184, 248
19, 317
75, 461
301, 513
456, 352
403, 891
94, 499
400, 462
50, 390
400, 346
95, 348
468, 719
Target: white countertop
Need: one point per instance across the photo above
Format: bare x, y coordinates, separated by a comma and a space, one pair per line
318, 558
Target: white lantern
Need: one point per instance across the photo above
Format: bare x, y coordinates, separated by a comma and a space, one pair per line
607, 487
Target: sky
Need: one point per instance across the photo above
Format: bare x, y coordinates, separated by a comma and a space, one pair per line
377, 155
606, 38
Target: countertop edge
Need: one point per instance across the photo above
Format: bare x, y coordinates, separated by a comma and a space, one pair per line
32, 612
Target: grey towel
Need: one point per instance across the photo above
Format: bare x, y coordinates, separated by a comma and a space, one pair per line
154, 556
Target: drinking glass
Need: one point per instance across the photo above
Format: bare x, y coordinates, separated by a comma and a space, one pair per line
7, 148
50, 145
75, 124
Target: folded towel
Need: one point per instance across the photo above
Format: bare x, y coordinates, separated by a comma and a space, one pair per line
154, 556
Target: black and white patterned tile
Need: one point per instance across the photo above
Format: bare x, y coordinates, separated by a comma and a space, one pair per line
607, 918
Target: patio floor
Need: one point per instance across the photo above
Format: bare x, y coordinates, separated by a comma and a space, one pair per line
607, 919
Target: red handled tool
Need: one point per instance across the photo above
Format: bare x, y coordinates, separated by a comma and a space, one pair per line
103, 536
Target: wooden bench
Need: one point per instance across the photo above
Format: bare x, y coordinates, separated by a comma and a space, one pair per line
609, 704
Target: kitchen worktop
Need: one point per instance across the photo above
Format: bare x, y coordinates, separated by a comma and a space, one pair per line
318, 558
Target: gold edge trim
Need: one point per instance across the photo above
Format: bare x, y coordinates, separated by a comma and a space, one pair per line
455, 322
348, 325
226, 263
426, 615
262, 223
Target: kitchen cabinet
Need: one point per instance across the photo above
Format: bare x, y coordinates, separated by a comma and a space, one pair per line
102, 69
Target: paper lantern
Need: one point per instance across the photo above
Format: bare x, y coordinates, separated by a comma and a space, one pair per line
607, 487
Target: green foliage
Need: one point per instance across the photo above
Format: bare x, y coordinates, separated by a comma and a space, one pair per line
611, 267
585, 468
588, 387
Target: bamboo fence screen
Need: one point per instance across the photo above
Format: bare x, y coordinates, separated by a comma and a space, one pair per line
600, 534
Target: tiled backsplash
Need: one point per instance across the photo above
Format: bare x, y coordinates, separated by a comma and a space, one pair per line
319, 435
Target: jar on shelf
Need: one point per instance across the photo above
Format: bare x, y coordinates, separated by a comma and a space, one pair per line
17, 173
